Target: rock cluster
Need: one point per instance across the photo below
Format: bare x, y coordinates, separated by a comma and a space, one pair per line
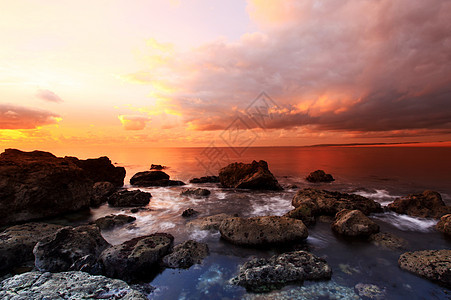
127, 198
319, 176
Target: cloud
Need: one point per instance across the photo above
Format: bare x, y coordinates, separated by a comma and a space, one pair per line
49, 96
19, 117
327, 65
134, 122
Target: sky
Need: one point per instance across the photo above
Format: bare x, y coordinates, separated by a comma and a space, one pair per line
168, 73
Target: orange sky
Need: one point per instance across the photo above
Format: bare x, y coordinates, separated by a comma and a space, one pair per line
189, 73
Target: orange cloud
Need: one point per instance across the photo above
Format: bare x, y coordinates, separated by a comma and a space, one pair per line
133, 122
49, 96
18, 117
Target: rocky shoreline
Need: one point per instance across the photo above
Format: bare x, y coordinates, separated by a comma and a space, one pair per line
37, 185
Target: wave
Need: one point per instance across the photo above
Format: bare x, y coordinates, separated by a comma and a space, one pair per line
407, 223
381, 196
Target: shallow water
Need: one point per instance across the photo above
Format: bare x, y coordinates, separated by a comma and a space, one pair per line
382, 174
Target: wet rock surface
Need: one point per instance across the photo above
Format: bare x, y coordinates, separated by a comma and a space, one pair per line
198, 193
186, 254
388, 240
444, 225
66, 285
264, 275
434, 265
262, 230
319, 176
370, 291
304, 212
153, 178
189, 213
255, 175
205, 179
428, 204
126, 198
111, 221
100, 192
209, 223
354, 223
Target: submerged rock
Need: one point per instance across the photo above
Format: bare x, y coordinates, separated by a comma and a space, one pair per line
66, 285
264, 275
319, 176
153, 178
136, 258
210, 222
354, 223
388, 240
444, 225
186, 254
17, 243
429, 204
126, 198
262, 230
205, 179
101, 192
60, 251
189, 212
196, 192
370, 291
255, 175
434, 265
111, 221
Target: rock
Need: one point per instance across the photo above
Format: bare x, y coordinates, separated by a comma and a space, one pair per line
66, 285
157, 167
388, 240
354, 223
196, 192
126, 198
101, 192
429, 204
100, 169
304, 212
60, 251
434, 265
210, 222
263, 275
319, 176
17, 243
262, 230
89, 264
136, 258
370, 291
37, 184
153, 178
444, 225
329, 203
205, 179
292, 186
186, 254
189, 212
111, 221
255, 175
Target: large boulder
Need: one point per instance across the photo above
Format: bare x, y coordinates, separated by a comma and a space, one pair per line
66, 285
100, 192
429, 204
186, 254
354, 223
205, 179
209, 223
37, 184
60, 251
444, 225
319, 176
323, 202
136, 258
197, 193
263, 275
255, 175
153, 178
17, 243
126, 198
262, 230
434, 265
111, 221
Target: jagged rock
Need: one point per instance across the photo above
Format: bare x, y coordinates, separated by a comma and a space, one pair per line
444, 225
136, 258
189, 212
89, 264
434, 265
205, 179
210, 222
66, 285
370, 291
17, 243
60, 251
263, 275
126, 198
354, 223
429, 204
101, 192
388, 240
157, 167
196, 192
111, 221
319, 176
262, 230
186, 254
255, 175
153, 178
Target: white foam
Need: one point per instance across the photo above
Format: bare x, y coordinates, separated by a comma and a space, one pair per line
381, 196
265, 206
407, 223
166, 225
221, 195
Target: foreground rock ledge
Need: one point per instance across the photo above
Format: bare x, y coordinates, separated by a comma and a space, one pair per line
264, 275
434, 265
66, 285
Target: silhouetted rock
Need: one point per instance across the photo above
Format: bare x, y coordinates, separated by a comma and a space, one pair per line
157, 167
210, 222
189, 213
126, 198
263, 275
196, 192
354, 223
101, 192
319, 176
153, 178
429, 204
434, 265
262, 230
186, 254
205, 179
444, 225
111, 221
255, 175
